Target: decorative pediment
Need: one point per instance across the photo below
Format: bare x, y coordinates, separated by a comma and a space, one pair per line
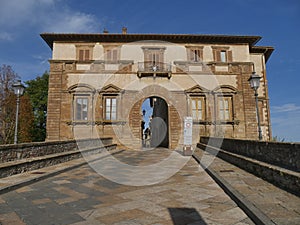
110, 89
226, 89
81, 88
196, 89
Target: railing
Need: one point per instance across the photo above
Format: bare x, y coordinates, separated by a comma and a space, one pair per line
154, 69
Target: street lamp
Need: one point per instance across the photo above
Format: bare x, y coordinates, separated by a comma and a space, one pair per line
19, 90
254, 83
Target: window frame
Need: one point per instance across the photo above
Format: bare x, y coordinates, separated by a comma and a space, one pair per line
202, 99
194, 54
111, 97
112, 53
229, 99
84, 53
76, 97
222, 54
154, 52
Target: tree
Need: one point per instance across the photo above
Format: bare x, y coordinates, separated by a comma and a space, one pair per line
7, 78
8, 109
37, 90
26, 120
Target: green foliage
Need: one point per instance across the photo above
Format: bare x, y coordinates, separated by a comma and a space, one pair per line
37, 90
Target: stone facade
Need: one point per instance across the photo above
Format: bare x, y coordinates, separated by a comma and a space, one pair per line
98, 83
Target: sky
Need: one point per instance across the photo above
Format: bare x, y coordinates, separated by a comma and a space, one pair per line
276, 21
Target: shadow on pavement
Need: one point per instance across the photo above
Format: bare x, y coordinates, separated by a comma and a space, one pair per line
182, 216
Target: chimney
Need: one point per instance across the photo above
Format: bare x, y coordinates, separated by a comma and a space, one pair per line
105, 31
124, 30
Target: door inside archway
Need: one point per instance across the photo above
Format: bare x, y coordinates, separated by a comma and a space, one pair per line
155, 123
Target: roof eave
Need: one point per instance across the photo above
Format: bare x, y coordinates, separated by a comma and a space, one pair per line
49, 38
266, 50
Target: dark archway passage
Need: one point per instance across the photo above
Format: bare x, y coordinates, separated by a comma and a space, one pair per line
156, 122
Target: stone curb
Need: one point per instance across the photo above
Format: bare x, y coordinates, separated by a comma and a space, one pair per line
256, 215
46, 175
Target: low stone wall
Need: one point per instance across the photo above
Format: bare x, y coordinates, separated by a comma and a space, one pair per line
283, 178
29, 164
285, 155
28, 150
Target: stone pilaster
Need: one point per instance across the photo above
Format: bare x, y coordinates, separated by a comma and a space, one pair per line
54, 101
248, 104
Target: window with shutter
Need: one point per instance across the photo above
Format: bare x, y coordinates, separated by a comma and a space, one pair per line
195, 54
229, 56
110, 108
222, 54
112, 55
87, 55
81, 108
198, 108
81, 55
84, 52
154, 58
225, 108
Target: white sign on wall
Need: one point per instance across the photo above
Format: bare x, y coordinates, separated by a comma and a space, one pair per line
188, 131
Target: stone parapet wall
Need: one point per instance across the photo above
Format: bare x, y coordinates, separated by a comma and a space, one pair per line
29, 150
285, 155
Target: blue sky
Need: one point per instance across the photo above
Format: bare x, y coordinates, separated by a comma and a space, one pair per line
277, 21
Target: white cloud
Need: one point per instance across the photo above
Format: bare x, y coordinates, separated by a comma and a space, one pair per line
285, 121
17, 12
285, 108
42, 16
71, 22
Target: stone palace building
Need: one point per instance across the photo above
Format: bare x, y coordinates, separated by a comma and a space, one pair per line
98, 83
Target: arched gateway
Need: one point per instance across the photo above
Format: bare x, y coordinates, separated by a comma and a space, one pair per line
155, 123
163, 121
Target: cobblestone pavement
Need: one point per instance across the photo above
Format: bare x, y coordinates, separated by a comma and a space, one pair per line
81, 196
281, 207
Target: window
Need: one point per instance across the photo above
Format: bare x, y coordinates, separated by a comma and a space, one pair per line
195, 54
84, 52
225, 108
110, 108
198, 108
81, 108
223, 56
154, 58
112, 55
84, 55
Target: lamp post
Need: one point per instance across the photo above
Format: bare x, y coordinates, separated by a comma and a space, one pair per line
254, 83
19, 90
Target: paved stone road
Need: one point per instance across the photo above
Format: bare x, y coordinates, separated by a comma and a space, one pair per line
280, 206
81, 196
